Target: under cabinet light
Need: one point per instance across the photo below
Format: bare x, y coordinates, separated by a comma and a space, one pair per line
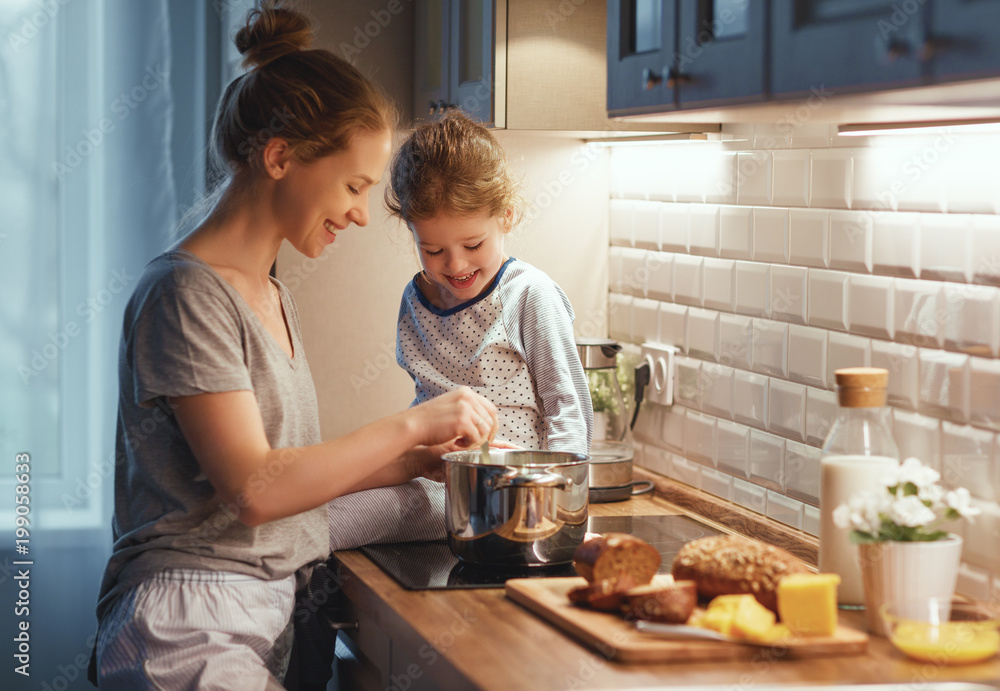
668, 138
901, 128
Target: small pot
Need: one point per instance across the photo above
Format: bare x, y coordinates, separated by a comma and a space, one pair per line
611, 473
523, 508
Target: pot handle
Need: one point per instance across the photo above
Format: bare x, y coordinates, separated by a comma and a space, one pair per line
525, 480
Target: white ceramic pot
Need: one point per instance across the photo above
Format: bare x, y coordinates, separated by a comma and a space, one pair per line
893, 571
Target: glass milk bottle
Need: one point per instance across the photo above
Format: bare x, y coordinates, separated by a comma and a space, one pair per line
856, 454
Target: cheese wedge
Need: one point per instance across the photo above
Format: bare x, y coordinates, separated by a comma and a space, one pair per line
807, 603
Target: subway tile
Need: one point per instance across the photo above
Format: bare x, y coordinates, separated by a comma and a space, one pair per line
973, 318
807, 355
945, 246
699, 438
721, 189
787, 409
672, 423
767, 460
870, 306
701, 173
645, 320
702, 339
971, 173
770, 136
627, 270
809, 237
769, 349
749, 496
842, 351
790, 178
943, 384
751, 289
621, 221
982, 537
732, 448
753, 178
896, 244
810, 519
851, 241
750, 398
719, 290
985, 238
703, 229
659, 270
969, 459
919, 313
687, 279
973, 583
735, 238
734, 340
886, 178
646, 224
719, 484
919, 436
788, 293
984, 392
770, 235
827, 297
808, 135
620, 317
821, 411
831, 178
784, 509
674, 227
717, 390
802, 472
673, 319
904, 371
648, 423
687, 471
687, 382
658, 460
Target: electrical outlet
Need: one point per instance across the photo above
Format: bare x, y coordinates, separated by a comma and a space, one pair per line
660, 359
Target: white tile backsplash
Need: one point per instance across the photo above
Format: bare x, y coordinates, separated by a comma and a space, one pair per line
773, 263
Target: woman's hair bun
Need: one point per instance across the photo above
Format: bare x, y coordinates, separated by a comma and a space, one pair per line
273, 31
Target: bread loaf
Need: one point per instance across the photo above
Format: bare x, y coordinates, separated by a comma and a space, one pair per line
731, 565
671, 604
607, 596
617, 557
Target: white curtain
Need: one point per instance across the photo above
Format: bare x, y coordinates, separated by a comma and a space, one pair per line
105, 107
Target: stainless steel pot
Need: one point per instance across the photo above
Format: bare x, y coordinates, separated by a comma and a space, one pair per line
523, 508
611, 473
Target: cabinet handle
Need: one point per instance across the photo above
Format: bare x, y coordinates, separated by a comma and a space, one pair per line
650, 79
895, 49
675, 78
433, 107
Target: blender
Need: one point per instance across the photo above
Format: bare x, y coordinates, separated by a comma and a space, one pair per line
611, 451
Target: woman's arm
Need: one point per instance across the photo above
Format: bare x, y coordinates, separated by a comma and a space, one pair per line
226, 434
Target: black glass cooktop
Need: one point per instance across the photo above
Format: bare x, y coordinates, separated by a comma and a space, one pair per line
431, 565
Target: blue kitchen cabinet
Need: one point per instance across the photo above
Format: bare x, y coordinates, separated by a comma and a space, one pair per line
846, 45
454, 53
669, 54
964, 40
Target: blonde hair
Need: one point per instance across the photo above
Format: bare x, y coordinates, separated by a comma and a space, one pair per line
454, 166
311, 98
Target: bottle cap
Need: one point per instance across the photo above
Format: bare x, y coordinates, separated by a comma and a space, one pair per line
862, 387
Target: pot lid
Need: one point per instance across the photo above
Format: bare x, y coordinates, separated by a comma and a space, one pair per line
597, 353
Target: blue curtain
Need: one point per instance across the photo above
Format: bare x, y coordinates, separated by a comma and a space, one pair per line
104, 110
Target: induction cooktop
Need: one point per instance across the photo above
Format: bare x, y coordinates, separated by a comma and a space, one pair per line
432, 566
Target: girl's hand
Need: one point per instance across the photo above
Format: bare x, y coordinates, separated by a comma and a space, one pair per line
461, 417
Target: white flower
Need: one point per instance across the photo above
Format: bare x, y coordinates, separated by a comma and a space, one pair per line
960, 501
910, 511
912, 470
860, 513
932, 493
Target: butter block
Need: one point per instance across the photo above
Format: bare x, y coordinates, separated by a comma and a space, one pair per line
752, 620
807, 603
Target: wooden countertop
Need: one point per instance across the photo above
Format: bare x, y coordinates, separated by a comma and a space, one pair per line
477, 638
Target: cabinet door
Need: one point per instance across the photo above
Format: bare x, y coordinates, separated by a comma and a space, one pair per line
472, 49
846, 45
964, 39
642, 38
720, 51
430, 65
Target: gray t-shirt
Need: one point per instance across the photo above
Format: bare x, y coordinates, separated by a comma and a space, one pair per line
187, 331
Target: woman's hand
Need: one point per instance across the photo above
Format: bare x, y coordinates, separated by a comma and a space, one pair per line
461, 417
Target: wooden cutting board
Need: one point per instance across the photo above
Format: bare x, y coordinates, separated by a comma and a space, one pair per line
617, 640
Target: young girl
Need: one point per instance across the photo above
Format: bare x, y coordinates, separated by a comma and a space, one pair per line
221, 502
474, 316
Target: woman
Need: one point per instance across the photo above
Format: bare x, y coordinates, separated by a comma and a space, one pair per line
222, 490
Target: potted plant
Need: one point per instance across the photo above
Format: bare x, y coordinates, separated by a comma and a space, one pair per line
904, 549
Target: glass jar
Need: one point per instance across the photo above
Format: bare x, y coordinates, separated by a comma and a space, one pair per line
856, 454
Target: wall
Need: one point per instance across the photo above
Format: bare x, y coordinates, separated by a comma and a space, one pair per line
771, 262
